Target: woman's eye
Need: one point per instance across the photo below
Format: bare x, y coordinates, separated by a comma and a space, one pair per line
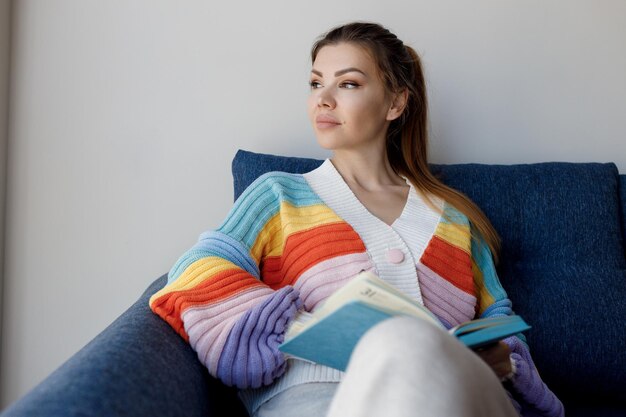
349, 85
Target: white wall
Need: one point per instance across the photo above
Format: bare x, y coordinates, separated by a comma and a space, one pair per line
126, 114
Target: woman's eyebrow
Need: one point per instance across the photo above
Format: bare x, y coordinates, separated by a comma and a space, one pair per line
340, 72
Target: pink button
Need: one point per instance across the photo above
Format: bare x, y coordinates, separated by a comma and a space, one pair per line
395, 256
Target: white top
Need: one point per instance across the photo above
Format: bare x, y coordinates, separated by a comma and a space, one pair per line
409, 233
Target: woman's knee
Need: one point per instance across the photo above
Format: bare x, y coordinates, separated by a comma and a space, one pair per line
414, 358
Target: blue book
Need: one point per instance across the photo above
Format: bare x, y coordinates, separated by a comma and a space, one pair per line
331, 341
329, 335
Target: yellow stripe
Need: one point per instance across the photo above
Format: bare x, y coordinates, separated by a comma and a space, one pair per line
485, 299
455, 234
289, 220
195, 274
269, 233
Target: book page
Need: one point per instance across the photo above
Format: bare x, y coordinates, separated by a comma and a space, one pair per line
372, 290
298, 323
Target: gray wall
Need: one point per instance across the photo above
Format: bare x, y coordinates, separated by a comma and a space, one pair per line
5, 59
126, 114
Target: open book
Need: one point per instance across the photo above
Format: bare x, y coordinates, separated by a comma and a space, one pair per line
329, 334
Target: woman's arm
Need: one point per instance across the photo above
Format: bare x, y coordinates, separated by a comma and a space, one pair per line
493, 302
215, 298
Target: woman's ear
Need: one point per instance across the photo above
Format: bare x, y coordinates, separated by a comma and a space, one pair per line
398, 103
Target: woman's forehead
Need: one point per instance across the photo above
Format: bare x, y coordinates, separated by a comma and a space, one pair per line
333, 58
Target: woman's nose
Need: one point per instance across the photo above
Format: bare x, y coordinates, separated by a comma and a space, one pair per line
326, 99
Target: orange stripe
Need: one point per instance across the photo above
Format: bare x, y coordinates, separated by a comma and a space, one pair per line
307, 248
451, 263
170, 306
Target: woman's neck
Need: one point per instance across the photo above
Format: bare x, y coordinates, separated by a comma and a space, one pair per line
370, 171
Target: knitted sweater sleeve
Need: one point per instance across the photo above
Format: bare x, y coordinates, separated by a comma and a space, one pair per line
216, 300
535, 396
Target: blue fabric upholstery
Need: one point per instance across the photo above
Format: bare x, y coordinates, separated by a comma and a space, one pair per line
562, 261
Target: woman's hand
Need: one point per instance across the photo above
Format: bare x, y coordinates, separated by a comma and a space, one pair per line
497, 356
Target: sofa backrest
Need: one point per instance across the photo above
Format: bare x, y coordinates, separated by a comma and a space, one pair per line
562, 261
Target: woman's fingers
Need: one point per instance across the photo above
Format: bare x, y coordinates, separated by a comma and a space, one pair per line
498, 358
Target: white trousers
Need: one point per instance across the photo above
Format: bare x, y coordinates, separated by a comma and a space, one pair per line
402, 367
407, 367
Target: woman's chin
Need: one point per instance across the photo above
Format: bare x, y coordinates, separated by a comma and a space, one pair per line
324, 143
329, 142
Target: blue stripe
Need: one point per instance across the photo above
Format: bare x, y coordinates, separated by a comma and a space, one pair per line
499, 308
453, 216
482, 256
502, 308
215, 244
261, 201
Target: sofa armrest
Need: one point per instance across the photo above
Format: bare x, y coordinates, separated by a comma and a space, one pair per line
622, 197
137, 366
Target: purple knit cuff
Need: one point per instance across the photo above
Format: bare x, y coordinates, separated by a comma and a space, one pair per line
528, 384
250, 357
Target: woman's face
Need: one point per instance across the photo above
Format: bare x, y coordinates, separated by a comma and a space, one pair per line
348, 105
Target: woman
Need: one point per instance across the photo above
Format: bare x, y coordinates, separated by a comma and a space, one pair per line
291, 240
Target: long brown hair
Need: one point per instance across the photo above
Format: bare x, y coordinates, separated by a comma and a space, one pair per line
407, 137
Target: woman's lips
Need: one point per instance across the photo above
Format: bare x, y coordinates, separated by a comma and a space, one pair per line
324, 121
325, 125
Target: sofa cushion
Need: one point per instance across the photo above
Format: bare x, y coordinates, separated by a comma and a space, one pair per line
562, 257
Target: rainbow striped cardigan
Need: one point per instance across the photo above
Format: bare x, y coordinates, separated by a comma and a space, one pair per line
288, 243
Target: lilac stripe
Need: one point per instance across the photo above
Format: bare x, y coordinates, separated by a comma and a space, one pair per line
197, 313
318, 282
211, 344
250, 357
443, 298
209, 326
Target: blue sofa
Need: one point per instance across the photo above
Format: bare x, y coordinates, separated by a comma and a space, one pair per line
563, 265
